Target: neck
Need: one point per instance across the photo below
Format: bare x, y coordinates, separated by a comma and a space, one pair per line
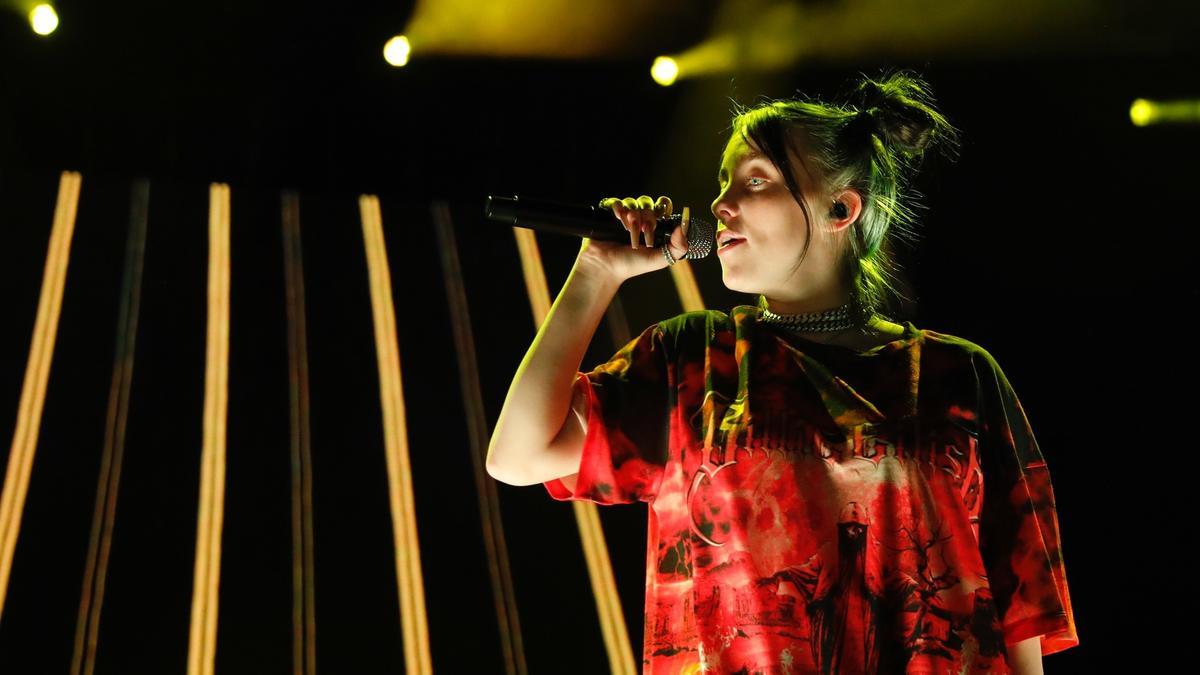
808, 305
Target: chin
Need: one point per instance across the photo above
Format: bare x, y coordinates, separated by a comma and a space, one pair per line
735, 284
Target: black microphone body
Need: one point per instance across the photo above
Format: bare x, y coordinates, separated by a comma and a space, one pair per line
593, 222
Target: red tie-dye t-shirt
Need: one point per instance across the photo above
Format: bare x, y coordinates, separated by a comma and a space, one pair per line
818, 509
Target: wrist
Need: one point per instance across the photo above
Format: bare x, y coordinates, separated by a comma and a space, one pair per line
596, 274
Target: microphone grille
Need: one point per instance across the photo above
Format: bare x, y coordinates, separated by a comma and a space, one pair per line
701, 237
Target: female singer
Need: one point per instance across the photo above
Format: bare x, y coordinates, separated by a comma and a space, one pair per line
829, 490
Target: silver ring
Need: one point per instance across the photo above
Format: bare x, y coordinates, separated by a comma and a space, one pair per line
666, 249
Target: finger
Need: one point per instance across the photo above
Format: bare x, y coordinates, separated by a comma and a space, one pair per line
619, 213
648, 219
614, 205
632, 219
626, 218
663, 207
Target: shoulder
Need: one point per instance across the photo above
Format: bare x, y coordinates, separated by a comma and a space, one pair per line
964, 351
950, 341
703, 322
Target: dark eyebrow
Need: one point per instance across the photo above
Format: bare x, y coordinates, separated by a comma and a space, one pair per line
749, 157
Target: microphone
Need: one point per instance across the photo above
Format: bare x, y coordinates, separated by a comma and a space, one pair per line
593, 222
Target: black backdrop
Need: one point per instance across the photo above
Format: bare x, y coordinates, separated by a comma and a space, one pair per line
1060, 241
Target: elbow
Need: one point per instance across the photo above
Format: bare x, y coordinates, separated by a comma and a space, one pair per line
515, 474
499, 474
500, 469
495, 467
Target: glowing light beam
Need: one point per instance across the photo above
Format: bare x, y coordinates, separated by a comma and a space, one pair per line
396, 51
43, 19
664, 71
1144, 113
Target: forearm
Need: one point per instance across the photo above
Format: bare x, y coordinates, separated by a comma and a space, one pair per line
1025, 657
539, 398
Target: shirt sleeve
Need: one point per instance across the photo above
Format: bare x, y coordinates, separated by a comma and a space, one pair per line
626, 444
1019, 534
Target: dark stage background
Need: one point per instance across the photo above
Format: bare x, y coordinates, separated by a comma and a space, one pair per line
1061, 241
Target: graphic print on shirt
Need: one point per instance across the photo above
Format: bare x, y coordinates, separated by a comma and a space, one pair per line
822, 511
825, 600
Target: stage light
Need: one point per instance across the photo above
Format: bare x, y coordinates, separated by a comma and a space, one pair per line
44, 19
664, 71
396, 51
1144, 113
1141, 112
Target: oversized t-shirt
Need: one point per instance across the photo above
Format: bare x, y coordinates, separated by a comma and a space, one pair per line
819, 509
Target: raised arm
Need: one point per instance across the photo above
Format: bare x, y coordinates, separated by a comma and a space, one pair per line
537, 409
537, 437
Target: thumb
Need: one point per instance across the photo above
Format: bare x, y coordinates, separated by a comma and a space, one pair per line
679, 245
679, 240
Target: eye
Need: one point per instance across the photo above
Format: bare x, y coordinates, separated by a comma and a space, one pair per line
751, 183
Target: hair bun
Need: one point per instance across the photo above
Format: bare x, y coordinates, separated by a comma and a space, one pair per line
897, 107
871, 96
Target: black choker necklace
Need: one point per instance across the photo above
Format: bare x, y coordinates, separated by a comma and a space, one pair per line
828, 321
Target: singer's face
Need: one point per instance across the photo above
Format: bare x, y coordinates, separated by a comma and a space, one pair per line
755, 203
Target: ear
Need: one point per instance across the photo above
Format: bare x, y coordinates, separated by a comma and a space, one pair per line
854, 206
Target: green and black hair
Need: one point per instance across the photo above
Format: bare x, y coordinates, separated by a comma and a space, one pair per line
873, 142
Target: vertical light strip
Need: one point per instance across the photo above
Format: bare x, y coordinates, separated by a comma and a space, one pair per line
391, 393
100, 542
202, 647
304, 623
503, 593
686, 287
595, 549
37, 373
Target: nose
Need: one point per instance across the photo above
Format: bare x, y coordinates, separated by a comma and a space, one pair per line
722, 207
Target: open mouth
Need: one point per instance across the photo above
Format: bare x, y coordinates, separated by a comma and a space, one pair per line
729, 243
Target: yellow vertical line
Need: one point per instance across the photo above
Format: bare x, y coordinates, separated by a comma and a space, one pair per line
410, 531
619, 330
686, 287
399, 435
202, 646
219, 437
404, 526
385, 392
109, 480
591, 535
503, 592
37, 372
403, 457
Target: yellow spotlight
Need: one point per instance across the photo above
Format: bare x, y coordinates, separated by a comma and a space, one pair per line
44, 19
664, 71
396, 51
1141, 112
1144, 113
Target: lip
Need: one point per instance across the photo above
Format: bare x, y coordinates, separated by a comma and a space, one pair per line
737, 242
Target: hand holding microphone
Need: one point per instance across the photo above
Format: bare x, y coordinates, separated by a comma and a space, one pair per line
667, 236
640, 218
